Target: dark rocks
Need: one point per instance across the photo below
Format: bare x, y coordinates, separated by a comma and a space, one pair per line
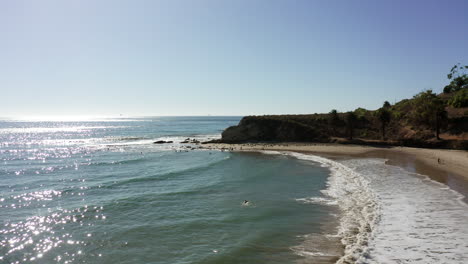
212, 141
192, 141
162, 142
187, 140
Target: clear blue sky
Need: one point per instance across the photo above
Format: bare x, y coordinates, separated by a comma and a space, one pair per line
223, 57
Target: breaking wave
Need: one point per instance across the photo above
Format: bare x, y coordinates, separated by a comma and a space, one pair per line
390, 215
357, 202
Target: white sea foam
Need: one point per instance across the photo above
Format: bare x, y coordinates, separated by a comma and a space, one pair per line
357, 203
179, 139
421, 221
389, 215
148, 142
317, 200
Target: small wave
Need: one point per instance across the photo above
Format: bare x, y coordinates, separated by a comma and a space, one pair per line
129, 138
306, 253
317, 200
422, 221
165, 175
189, 138
177, 140
116, 162
318, 248
357, 202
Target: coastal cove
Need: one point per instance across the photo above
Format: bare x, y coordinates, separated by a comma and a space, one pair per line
104, 191
234, 132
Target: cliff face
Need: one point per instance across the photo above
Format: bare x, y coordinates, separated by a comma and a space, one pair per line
367, 130
271, 128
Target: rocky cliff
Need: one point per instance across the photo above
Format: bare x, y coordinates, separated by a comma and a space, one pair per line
271, 128
366, 129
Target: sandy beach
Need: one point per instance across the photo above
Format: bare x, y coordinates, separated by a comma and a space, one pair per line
446, 166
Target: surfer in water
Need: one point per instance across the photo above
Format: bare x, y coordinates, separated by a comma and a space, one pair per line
246, 203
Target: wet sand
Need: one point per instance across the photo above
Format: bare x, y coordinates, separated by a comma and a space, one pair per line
446, 166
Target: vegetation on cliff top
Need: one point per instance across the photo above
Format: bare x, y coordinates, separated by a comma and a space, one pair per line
425, 119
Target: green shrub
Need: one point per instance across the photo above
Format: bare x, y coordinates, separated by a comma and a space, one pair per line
460, 99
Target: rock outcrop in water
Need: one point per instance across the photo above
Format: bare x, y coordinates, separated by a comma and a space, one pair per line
162, 142
188, 140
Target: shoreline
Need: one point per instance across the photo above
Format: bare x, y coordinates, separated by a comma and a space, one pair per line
449, 167
405, 197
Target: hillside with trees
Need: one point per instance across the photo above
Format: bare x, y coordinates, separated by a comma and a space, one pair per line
426, 120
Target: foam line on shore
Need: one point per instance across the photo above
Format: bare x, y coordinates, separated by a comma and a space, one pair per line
422, 221
357, 202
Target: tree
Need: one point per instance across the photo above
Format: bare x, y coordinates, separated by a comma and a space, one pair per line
384, 117
429, 110
361, 114
459, 78
350, 123
441, 118
386, 104
460, 99
333, 120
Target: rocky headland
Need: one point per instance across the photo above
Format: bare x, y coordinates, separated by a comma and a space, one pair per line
427, 120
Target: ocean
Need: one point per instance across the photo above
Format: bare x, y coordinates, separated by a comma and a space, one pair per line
100, 191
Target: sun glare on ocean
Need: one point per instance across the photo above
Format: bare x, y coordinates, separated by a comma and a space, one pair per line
64, 118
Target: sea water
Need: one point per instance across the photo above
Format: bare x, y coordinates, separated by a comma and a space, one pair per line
101, 192
390, 215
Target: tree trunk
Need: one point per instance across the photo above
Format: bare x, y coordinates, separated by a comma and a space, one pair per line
383, 130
